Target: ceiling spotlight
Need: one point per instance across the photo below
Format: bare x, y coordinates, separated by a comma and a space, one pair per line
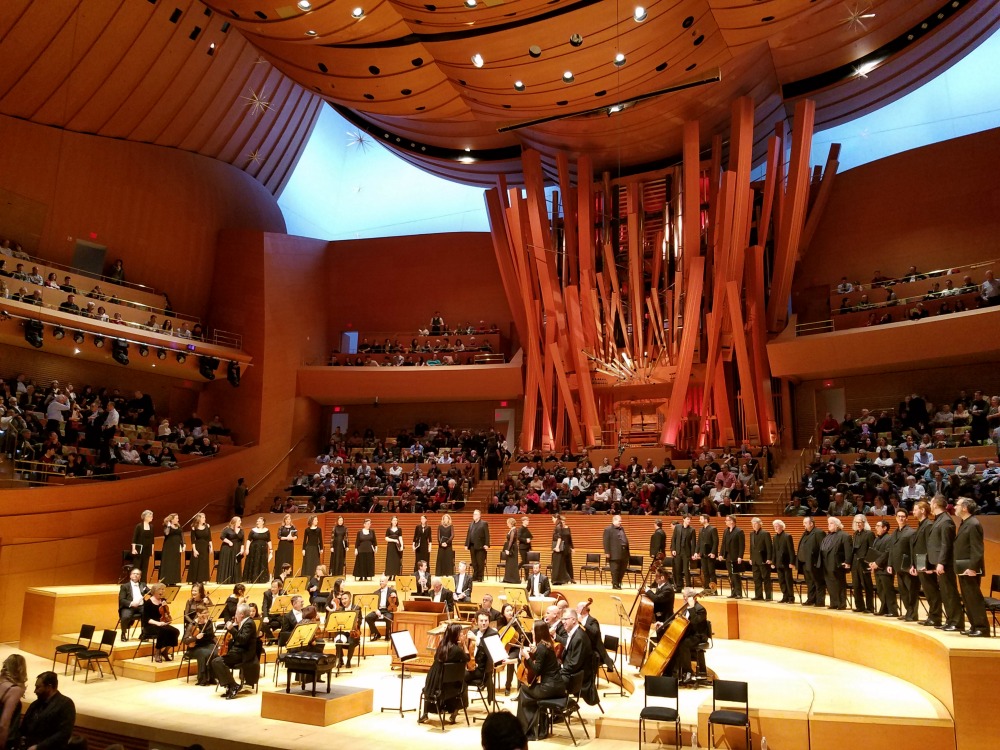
470, 3
568, 77
619, 59
615, 108
143, 350
78, 337
207, 367
358, 13
576, 40
181, 358
518, 85
33, 333
467, 160
477, 60
58, 332
161, 353
311, 32
119, 351
99, 342
535, 51
305, 5
640, 14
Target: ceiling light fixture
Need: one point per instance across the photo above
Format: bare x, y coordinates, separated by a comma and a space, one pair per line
862, 70
78, 337
615, 108
99, 342
640, 14
619, 59
477, 60
534, 51
311, 32
576, 40
358, 13
305, 5
58, 332
519, 86
470, 3
568, 77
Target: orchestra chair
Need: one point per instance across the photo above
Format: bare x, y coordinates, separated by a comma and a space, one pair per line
498, 570
562, 709
592, 565
185, 658
533, 557
729, 691
611, 645
86, 632
660, 687
215, 563
634, 569
185, 564
452, 686
698, 653
486, 691
99, 655
992, 603
126, 566
157, 562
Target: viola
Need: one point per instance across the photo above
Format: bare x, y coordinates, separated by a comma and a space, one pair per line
393, 603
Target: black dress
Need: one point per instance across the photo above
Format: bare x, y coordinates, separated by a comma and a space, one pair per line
170, 562
286, 550
200, 569
338, 551
393, 553
364, 561
312, 547
143, 541
545, 664
511, 569
455, 653
445, 565
229, 562
255, 566
164, 636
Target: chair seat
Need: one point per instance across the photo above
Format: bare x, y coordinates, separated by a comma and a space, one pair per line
70, 648
729, 718
560, 704
85, 654
992, 604
658, 713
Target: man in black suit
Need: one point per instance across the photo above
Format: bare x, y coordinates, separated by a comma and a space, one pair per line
861, 579
440, 594
706, 554
578, 654
657, 541
921, 563
682, 549
592, 628
130, 600
290, 619
381, 613
783, 561
616, 548
463, 584
487, 606
900, 561
345, 640
538, 585
835, 551
969, 565
477, 541
761, 557
422, 578
941, 558
811, 565
662, 596
242, 650
881, 550
733, 547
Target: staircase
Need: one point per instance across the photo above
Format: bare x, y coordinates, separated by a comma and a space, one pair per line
770, 501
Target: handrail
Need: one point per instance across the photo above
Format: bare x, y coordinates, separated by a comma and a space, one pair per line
919, 276
274, 468
803, 460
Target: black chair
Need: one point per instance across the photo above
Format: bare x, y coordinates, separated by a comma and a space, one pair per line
729, 691
533, 557
215, 563
698, 653
452, 686
185, 563
992, 603
86, 632
157, 562
634, 569
562, 709
592, 565
99, 655
660, 687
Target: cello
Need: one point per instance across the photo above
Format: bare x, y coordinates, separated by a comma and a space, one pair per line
664, 651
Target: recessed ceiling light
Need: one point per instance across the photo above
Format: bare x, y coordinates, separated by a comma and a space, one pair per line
467, 160
568, 76
358, 13
535, 51
470, 3
305, 5
519, 85
619, 59
640, 14
311, 32
576, 40
615, 108
477, 60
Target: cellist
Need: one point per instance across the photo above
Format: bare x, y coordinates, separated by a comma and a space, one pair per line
697, 630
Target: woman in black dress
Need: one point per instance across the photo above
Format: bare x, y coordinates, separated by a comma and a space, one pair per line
312, 547
156, 623
511, 570
450, 651
257, 553
338, 548
198, 599
445, 565
200, 569
543, 661
142, 543
393, 550
230, 549
365, 548
173, 548
287, 534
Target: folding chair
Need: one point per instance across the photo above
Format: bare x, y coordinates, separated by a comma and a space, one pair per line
660, 687
592, 565
729, 691
99, 655
86, 631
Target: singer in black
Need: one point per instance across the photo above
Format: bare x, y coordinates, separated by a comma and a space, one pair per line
706, 555
969, 565
900, 560
732, 550
941, 558
616, 548
477, 541
783, 561
682, 549
761, 557
393, 550
811, 564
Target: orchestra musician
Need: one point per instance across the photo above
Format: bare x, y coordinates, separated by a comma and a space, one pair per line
310, 615
423, 578
290, 619
508, 615
199, 637
270, 625
544, 664
449, 651
156, 623
381, 613
707, 552
463, 584
662, 596
350, 640
440, 594
198, 598
483, 673
130, 601
592, 628
233, 600
696, 632
487, 606
316, 598
538, 585
242, 650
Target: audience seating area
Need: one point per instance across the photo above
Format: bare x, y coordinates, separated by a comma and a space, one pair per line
403, 349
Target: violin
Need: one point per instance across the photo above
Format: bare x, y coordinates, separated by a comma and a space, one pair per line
165, 613
470, 665
393, 602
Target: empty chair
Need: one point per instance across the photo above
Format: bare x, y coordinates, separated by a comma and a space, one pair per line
634, 569
592, 565
729, 691
992, 603
97, 655
86, 633
533, 557
660, 687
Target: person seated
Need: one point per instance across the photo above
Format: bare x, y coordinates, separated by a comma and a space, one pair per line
482, 674
127, 454
423, 578
130, 601
35, 277
199, 637
242, 651
697, 631
347, 641
156, 623
451, 650
382, 613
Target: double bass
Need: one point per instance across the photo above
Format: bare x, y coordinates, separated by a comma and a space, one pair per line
643, 618
664, 651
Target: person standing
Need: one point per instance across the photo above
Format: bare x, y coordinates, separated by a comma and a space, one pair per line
921, 564
761, 557
861, 577
511, 571
732, 550
682, 549
393, 550
969, 565
230, 549
312, 546
783, 557
836, 551
257, 553
202, 553
287, 534
616, 549
422, 541
365, 548
48, 722
338, 548
811, 563
477, 541
142, 543
240, 497
560, 576
523, 542
172, 550
658, 541
707, 553
900, 561
882, 549
941, 559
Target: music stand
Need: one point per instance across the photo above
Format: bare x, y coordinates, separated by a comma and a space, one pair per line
296, 585
281, 605
622, 619
496, 650
343, 623
402, 643
368, 603
405, 584
327, 584
300, 637
170, 593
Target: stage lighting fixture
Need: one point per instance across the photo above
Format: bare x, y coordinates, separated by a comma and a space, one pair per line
78, 337
181, 358
207, 367
143, 350
34, 333
119, 351
233, 373
99, 342
58, 333
161, 353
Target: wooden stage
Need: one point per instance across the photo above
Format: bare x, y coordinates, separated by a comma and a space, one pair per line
817, 678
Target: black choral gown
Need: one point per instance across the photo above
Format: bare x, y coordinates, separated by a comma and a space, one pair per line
200, 568
170, 562
229, 556
511, 569
338, 551
445, 565
286, 550
255, 566
364, 561
393, 553
143, 541
312, 544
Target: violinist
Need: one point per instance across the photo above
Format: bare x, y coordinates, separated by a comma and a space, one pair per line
543, 666
156, 623
290, 619
199, 637
233, 600
382, 614
450, 651
316, 644
242, 650
483, 671
507, 616
198, 598
316, 597
696, 632
349, 640
270, 625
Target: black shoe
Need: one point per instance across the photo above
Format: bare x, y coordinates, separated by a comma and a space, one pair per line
950, 629
124, 637
980, 634
231, 692
506, 690
940, 626
928, 622
422, 719
376, 637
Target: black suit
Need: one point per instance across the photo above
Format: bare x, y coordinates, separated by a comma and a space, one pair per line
544, 588
941, 551
733, 547
882, 547
242, 650
423, 584
383, 609
578, 655
616, 548
663, 601
708, 550
682, 546
783, 552
861, 578
463, 587
477, 539
657, 543
811, 564
761, 554
836, 551
523, 544
697, 630
969, 550
445, 596
928, 579
483, 672
344, 640
126, 611
900, 560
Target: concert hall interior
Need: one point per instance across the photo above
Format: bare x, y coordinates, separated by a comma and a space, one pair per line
675, 282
